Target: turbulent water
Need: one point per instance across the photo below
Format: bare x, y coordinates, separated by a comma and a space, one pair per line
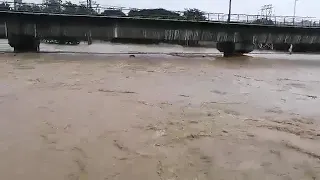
104, 47
78, 116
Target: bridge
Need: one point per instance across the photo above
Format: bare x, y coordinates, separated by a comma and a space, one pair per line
24, 31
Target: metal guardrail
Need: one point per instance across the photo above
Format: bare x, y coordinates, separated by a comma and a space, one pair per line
215, 17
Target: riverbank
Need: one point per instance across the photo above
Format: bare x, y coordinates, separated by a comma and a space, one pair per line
158, 117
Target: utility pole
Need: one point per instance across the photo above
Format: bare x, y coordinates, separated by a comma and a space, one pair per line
229, 15
294, 10
267, 11
16, 3
89, 4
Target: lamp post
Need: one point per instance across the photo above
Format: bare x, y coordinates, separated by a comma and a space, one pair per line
229, 15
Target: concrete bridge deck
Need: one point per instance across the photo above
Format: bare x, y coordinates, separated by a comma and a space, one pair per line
232, 36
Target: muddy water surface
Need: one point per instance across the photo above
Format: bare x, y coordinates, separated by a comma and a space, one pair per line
82, 117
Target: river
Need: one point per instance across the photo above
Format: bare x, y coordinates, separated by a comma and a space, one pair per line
93, 115
107, 48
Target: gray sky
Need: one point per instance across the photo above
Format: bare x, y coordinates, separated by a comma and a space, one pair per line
281, 7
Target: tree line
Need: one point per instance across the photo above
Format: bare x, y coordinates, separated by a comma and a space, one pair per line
67, 7
57, 6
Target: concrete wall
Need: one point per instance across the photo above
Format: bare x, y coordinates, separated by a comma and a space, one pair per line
167, 34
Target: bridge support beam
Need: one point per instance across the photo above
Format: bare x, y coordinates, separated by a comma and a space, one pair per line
22, 35
235, 44
24, 43
234, 49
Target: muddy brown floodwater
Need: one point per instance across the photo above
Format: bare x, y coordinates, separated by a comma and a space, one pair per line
99, 117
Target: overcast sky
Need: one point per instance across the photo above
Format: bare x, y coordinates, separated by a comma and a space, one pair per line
281, 7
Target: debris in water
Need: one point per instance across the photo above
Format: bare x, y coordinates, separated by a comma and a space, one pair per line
225, 131
182, 95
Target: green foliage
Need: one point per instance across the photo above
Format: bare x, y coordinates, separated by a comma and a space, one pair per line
29, 8
263, 21
194, 14
83, 9
56, 6
188, 14
70, 8
4, 6
52, 6
154, 13
113, 12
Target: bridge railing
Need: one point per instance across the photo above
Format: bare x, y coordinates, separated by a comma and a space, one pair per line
69, 8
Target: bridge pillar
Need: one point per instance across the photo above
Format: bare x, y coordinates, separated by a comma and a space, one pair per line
22, 36
234, 49
236, 44
24, 43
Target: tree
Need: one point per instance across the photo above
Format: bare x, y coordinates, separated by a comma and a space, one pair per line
154, 13
69, 8
4, 6
53, 6
194, 14
113, 12
263, 21
83, 9
56, 6
29, 8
